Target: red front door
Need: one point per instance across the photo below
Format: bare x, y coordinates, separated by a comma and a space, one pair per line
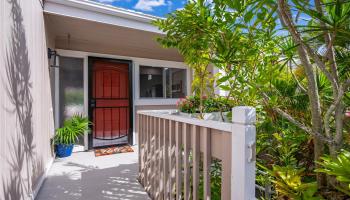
110, 101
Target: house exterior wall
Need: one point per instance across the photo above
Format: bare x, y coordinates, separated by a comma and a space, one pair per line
26, 117
138, 103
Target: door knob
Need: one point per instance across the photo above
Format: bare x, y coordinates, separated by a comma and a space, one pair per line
92, 103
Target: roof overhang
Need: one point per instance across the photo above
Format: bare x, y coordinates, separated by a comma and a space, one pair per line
83, 25
92, 11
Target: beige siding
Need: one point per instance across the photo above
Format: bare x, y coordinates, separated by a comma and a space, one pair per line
26, 119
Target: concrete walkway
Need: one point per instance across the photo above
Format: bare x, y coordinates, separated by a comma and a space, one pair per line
84, 176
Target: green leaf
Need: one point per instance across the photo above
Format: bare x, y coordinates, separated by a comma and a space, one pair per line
248, 16
225, 87
72, 128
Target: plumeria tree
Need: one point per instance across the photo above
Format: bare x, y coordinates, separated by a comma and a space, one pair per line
188, 30
289, 58
316, 44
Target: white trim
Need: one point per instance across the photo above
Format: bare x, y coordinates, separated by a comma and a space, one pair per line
136, 60
136, 82
57, 97
163, 64
101, 13
153, 102
42, 179
86, 99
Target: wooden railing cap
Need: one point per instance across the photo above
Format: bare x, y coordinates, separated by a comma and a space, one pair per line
244, 115
171, 115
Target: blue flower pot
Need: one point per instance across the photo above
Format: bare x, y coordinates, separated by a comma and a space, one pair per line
63, 150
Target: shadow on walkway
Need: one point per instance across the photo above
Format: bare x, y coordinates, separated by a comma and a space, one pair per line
94, 184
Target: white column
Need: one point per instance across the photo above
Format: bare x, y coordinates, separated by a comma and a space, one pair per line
243, 153
57, 97
86, 99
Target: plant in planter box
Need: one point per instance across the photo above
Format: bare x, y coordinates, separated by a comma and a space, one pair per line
67, 135
217, 108
190, 104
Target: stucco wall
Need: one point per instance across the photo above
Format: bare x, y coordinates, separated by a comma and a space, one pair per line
26, 118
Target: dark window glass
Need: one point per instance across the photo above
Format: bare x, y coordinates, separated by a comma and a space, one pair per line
151, 82
157, 82
175, 83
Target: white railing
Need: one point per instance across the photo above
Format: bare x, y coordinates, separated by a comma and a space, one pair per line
173, 149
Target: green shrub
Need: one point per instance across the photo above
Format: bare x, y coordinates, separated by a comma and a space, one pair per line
191, 104
71, 130
217, 104
340, 168
288, 184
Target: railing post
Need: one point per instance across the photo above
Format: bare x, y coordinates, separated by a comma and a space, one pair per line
243, 153
139, 141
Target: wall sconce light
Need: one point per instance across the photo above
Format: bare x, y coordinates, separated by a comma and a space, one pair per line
53, 58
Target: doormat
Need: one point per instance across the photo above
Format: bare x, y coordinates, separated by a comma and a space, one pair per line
113, 150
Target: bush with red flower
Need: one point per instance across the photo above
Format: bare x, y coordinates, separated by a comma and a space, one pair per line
190, 104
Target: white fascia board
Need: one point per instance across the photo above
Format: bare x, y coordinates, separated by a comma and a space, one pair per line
97, 12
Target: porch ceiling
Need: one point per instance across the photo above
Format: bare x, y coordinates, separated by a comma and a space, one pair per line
90, 36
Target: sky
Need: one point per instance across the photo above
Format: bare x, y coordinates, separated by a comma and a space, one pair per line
153, 7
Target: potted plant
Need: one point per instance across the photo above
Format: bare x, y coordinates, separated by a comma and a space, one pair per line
67, 135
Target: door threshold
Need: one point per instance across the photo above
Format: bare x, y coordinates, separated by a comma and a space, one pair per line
97, 143
108, 146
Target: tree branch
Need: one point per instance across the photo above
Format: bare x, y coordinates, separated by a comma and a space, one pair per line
329, 40
342, 90
287, 20
298, 123
315, 106
301, 87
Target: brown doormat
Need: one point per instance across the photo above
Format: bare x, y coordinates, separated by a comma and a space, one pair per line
113, 150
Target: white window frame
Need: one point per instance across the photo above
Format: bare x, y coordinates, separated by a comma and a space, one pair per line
161, 64
163, 82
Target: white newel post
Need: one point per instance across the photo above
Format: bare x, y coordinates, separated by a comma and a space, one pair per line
243, 153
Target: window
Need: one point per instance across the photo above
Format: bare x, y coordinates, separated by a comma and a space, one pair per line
71, 87
158, 82
175, 83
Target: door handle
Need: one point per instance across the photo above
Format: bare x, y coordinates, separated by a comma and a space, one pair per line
92, 103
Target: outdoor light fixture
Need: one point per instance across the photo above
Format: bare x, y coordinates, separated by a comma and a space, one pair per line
53, 58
